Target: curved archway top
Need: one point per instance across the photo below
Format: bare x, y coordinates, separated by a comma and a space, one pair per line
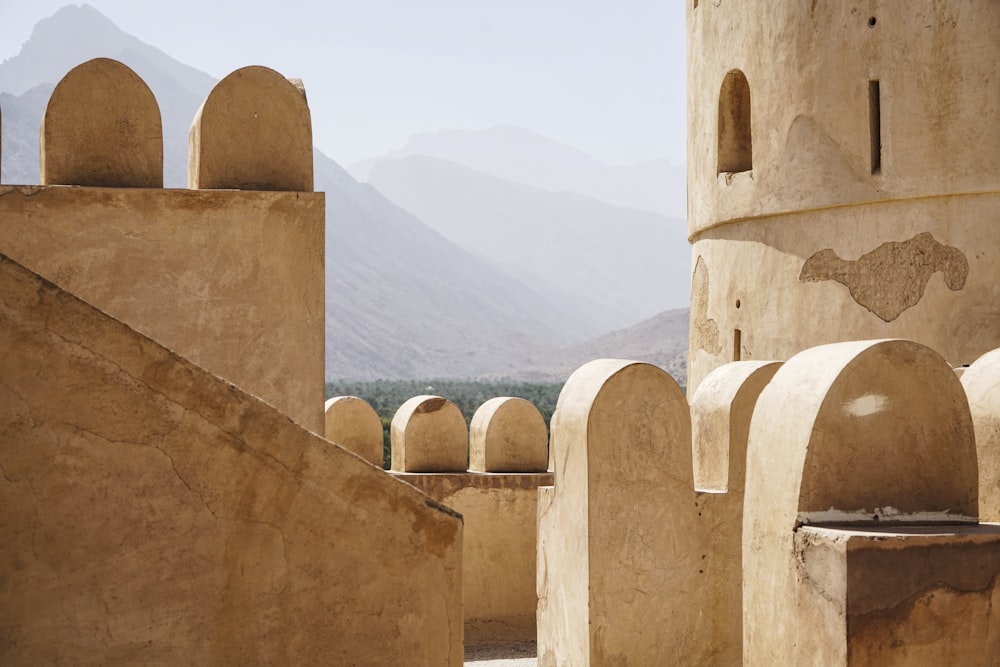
865, 431
606, 392
102, 127
252, 132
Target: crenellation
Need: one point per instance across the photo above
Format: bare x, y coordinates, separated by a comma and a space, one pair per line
429, 434
252, 132
981, 381
102, 128
354, 425
160, 391
508, 435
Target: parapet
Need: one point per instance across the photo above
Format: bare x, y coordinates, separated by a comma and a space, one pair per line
429, 435
861, 543
355, 426
102, 128
430, 450
253, 132
231, 279
508, 435
982, 386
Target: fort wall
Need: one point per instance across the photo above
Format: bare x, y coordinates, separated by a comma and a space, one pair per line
845, 157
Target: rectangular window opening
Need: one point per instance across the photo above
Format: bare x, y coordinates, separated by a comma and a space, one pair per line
875, 124
737, 344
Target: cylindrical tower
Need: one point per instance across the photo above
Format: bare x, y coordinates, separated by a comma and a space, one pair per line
843, 176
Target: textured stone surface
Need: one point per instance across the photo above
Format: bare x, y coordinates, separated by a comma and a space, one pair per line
845, 433
508, 435
981, 381
893, 276
355, 426
232, 281
911, 595
814, 187
498, 549
721, 410
253, 132
102, 127
617, 580
429, 434
152, 513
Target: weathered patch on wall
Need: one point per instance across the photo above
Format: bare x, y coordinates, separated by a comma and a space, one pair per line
705, 331
893, 276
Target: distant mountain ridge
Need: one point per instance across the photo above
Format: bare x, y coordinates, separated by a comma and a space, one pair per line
521, 156
402, 300
623, 264
661, 340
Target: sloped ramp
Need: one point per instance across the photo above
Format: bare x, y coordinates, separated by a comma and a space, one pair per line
152, 513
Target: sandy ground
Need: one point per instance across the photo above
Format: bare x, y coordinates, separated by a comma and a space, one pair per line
510, 654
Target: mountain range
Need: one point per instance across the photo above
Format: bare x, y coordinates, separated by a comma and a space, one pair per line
403, 301
521, 156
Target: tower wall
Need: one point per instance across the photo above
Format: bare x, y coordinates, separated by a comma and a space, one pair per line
870, 201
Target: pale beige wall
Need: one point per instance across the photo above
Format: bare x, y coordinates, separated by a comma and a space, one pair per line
508, 434
355, 426
429, 434
102, 128
721, 411
811, 188
231, 280
151, 513
859, 433
761, 265
253, 132
498, 548
618, 580
924, 597
982, 386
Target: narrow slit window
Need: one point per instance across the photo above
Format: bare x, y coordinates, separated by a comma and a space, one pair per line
875, 124
737, 345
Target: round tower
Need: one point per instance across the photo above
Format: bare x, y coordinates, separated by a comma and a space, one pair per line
843, 176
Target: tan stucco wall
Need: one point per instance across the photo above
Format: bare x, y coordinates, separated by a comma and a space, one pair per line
862, 433
231, 280
620, 577
762, 265
102, 128
498, 548
152, 513
982, 386
811, 188
916, 596
721, 411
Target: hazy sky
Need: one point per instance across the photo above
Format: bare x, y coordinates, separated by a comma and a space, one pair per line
604, 76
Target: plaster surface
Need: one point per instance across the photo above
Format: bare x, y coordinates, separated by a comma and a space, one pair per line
102, 127
844, 432
355, 426
498, 549
233, 281
252, 132
153, 513
508, 435
429, 434
619, 581
981, 381
870, 198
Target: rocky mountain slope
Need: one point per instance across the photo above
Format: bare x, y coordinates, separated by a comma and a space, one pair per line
402, 300
624, 264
